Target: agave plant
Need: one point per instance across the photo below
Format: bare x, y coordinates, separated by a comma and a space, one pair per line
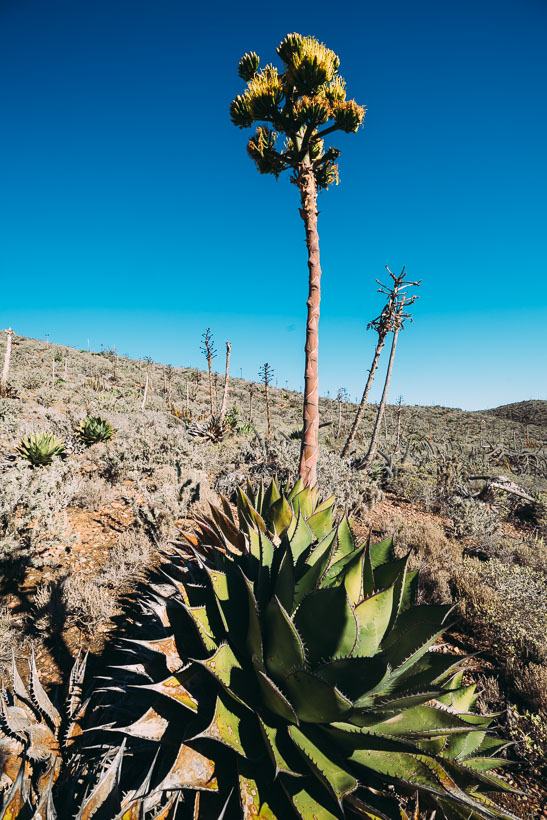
41, 448
35, 741
214, 430
94, 429
286, 671
42, 773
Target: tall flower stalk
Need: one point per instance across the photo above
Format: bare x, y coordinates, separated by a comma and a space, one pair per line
304, 102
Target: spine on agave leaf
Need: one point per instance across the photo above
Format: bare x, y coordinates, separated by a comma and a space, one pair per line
297, 677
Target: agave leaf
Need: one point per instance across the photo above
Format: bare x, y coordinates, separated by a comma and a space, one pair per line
284, 582
254, 633
315, 565
303, 503
328, 503
453, 811
150, 726
354, 577
254, 549
349, 737
326, 638
412, 637
421, 721
397, 577
430, 669
485, 764
190, 770
410, 590
251, 804
224, 727
320, 523
103, 789
247, 513
459, 747
39, 697
200, 618
274, 699
314, 699
492, 744
16, 798
166, 647
133, 805
373, 616
281, 515
344, 540
301, 539
354, 676
337, 570
337, 780
258, 500
305, 804
226, 507
468, 777
222, 665
381, 553
298, 487
271, 495
267, 551
462, 699
17, 682
270, 735
393, 704
377, 807
284, 647
172, 688
232, 535
227, 588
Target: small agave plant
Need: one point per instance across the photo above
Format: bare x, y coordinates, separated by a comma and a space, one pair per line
286, 671
41, 448
214, 430
94, 429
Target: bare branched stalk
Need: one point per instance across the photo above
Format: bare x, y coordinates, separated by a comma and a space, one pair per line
169, 375
145, 394
208, 350
341, 397
382, 325
401, 301
251, 394
5, 369
266, 374
399, 414
226, 379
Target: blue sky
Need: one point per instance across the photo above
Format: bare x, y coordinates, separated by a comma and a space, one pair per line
131, 215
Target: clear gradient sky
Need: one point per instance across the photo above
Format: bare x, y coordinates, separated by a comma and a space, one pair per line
131, 215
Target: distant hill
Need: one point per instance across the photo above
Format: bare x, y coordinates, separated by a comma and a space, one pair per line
533, 411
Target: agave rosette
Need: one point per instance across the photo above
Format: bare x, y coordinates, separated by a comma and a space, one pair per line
94, 429
290, 673
41, 448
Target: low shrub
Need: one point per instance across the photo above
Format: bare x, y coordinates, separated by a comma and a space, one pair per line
472, 518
